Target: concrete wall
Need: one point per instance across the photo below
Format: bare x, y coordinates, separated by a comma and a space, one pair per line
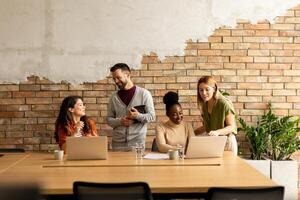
78, 40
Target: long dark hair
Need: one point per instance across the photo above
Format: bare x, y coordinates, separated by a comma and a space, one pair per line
170, 99
65, 117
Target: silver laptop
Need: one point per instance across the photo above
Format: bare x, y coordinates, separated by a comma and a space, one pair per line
86, 148
205, 146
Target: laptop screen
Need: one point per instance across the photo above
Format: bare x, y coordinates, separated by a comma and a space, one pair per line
205, 146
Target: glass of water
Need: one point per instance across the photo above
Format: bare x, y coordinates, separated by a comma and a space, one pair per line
180, 150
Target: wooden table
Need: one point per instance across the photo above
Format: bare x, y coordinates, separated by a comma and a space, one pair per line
163, 176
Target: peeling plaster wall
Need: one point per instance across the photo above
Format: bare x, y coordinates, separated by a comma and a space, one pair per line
78, 40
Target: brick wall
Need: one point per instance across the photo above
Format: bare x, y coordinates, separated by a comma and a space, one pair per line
255, 63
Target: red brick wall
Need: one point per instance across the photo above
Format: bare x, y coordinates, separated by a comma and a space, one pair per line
255, 63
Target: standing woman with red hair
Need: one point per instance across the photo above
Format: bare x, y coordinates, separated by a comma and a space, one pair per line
217, 112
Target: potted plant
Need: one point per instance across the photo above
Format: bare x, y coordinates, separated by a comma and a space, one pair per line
274, 139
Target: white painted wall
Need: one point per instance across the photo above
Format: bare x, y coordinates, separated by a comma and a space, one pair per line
78, 40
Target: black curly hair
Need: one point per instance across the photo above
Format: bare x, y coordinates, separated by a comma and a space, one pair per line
170, 99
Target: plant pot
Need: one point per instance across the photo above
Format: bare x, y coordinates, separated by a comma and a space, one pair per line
263, 166
285, 173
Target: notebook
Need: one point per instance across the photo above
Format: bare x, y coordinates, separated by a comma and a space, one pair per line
205, 146
86, 148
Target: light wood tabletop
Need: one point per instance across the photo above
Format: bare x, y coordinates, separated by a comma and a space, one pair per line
163, 176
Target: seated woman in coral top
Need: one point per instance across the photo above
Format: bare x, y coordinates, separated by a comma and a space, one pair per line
72, 121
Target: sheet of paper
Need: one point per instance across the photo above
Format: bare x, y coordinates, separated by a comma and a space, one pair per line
156, 156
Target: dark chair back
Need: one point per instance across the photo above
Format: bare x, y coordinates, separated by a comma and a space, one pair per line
273, 193
111, 191
12, 150
19, 192
154, 146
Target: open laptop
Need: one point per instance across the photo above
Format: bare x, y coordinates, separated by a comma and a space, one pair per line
205, 146
86, 148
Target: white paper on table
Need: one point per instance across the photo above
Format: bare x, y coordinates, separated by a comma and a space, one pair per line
156, 156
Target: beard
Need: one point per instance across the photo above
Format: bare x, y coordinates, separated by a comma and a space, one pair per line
122, 85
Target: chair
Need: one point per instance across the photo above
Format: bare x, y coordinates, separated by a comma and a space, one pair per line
154, 146
111, 191
12, 150
19, 192
273, 193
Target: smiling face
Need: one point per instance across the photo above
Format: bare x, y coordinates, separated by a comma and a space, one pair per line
79, 109
175, 114
120, 78
206, 92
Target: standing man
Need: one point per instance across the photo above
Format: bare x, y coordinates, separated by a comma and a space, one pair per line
129, 109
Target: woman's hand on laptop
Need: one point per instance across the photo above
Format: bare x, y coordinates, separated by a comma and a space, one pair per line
214, 133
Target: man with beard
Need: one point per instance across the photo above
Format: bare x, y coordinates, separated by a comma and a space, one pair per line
129, 110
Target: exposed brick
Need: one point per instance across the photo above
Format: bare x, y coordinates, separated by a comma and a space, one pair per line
259, 92
150, 59
174, 73
268, 33
258, 52
215, 39
289, 33
288, 59
248, 72
218, 59
275, 72
280, 66
81, 87
256, 79
155, 86
179, 86
210, 66
293, 99
64, 94
94, 93
241, 59
234, 65
291, 72
185, 66
246, 45
232, 39
187, 79
264, 59
173, 59
54, 87
9, 87
38, 100
30, 87
249, 86
233, 79
234, 52
222, 46
195, 59
282, 53
12, 101
224, 72
5, 94
47, 94
164, 80
271, 46
209, 52
272, 86
279, 79
256, 39
204, 45
221, 32
284, 92
190, 52
107, 87
283, 26
160, 66
256, 26
199, 72
252, 112
262, 106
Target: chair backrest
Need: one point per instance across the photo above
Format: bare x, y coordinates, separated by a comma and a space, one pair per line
154, 146
12, 150
111, 191
19, 192
273, 193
